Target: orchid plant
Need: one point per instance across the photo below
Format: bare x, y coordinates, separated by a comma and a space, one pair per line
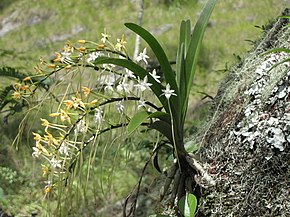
120, 97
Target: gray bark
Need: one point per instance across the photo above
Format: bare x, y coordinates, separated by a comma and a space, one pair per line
247, 140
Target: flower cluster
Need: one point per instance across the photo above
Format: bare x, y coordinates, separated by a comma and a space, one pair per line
82, 115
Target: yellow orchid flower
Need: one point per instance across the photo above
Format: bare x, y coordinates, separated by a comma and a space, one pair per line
86, 91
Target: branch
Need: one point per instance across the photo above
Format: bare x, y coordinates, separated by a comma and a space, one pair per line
139, 22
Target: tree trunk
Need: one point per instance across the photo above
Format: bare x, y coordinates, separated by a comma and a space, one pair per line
247, 140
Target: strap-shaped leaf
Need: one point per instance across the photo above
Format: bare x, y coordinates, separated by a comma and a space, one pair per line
287, 17
164, 64
161, 116
181, 73
155, 161
142, 116
184, 41
279, 63
275, 50
194, 46
164, 128
137, 120
158, 51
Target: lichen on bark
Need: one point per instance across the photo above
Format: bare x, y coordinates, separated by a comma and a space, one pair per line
247, 140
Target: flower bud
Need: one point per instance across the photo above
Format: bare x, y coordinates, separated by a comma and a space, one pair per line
81, 41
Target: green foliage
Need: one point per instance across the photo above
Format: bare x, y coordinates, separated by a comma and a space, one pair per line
188, 50
191, 146
187, 205
10, 179
137, 120
286, 17
11, 72
5, 3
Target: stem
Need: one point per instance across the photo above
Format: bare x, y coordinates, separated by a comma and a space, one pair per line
173, 136
111, 100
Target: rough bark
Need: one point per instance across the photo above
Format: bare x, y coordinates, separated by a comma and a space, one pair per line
247, 140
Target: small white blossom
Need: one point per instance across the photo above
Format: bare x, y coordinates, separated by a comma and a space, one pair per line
168, 92
55, 163
143, 85
142, 56
120, 106
36, 152
105, 37
155, 76
63, 149
93, 56
81, 127
109, 86
98, 117
129, 73
65, 56
141, 104
124, 86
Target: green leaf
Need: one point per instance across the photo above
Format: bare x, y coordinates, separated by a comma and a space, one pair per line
184, 41
275, 50
164, 64
279, 63
158, 51
191, 146
194, 48
187, 205
287, 17
184, 36
164, 128
161, 115
142, 116
155, 161
136, 121
181, 74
